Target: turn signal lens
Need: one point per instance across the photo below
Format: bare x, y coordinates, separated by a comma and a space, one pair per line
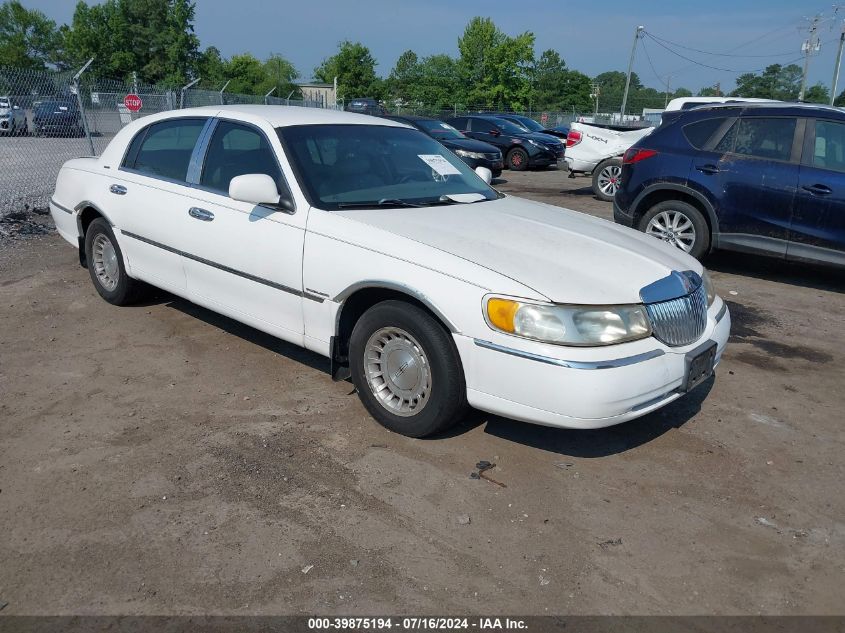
501, 313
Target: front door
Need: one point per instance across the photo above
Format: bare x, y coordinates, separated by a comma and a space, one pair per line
756, 175
241, 259
818, 224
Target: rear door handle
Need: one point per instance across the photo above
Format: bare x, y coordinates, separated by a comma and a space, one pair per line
818, 190
707, 169
118, 189
201, 214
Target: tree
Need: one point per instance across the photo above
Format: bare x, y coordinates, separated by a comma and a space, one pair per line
775, 82
710, 91
495, 68
558, 88
438, 82
154, 38
280, 74
28, 39
355, 69
817, 94
404, 77
210, 68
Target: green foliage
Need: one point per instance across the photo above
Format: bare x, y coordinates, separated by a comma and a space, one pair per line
775, 82
355, 69
28, 39
558, 88
817, 94
495, 68
155, 38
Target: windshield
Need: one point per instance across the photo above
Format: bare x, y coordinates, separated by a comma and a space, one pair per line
529, 124
53, 106
343, 166
438, 129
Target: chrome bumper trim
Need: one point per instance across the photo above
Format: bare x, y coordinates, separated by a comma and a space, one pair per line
573, 364
722, 311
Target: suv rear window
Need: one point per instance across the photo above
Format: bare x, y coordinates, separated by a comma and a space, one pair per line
700, 132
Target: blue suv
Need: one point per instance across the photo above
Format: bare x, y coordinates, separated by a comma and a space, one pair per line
759, 178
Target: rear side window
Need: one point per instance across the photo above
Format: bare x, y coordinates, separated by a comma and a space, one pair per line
480, 125
829, 146
460, 123
236, 150
166, 148
769, 138
700, 132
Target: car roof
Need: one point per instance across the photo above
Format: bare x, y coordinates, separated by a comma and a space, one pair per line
774, 107
408, 117
281, 116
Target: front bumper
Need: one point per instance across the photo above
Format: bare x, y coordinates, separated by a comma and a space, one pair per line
541, 384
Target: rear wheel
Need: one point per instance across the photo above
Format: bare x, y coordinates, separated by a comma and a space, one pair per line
606, 179
105, 265
679, 224
406, 369
518, 159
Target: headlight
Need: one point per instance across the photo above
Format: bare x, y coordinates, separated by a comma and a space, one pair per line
708, 287
466, 154
538, 144
568, 325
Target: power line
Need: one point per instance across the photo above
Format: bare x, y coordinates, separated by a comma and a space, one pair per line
650, 63
698, 63
697, 50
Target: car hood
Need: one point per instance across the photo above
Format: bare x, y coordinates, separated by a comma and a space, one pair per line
471, 145
542, 137
561, 254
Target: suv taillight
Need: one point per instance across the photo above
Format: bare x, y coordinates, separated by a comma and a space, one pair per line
635, 155
573, 138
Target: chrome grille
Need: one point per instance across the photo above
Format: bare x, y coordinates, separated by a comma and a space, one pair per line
679, 321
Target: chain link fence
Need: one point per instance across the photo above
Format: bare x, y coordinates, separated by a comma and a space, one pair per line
46, 118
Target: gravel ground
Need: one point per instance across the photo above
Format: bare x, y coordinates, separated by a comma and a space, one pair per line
161, 459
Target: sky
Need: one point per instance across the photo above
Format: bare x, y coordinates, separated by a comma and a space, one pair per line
591, 37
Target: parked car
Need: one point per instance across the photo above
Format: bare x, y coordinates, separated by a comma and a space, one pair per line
597, 150
366, 106
473, 153
687, 103
12, 118
59, 117
759, 178
533, 126
520, 148
368, 242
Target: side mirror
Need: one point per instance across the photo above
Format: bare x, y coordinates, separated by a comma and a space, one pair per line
258, 189
495, 132
485, 174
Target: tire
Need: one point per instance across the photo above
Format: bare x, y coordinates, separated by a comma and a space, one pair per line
606, 177
105, 265
413, 349
517, 159
680, 224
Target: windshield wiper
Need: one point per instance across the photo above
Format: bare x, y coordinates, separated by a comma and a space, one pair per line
384, 202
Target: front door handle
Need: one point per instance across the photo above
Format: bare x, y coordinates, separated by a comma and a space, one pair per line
707, 169
818, 190
201, 214
118, 189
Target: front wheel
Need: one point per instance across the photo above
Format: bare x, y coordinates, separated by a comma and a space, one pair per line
407, 370
518, 159
606, 178
105, 264
679, 224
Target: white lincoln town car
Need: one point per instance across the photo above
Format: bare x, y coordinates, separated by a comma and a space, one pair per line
368, 242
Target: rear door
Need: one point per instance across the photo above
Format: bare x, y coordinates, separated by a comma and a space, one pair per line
241, 259
818, 224
755, 169
147, 199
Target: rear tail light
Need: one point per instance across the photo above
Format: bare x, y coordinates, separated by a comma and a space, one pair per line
573, 138
635, 155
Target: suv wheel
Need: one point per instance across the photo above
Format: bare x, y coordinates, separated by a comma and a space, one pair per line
606, 178
406, 369
680, 224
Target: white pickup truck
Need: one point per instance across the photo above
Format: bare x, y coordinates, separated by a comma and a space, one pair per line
598, 150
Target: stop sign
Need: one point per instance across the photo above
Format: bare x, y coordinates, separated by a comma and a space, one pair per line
132, 102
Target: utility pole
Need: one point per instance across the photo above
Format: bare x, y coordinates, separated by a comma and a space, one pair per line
836, 66
637, 35
811, 45
668, 81
596, 91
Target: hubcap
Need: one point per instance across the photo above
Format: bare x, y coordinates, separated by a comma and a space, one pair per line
105, 262
609, 179
398, 372
673, 227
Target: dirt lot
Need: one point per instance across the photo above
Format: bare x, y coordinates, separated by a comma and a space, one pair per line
161, 459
